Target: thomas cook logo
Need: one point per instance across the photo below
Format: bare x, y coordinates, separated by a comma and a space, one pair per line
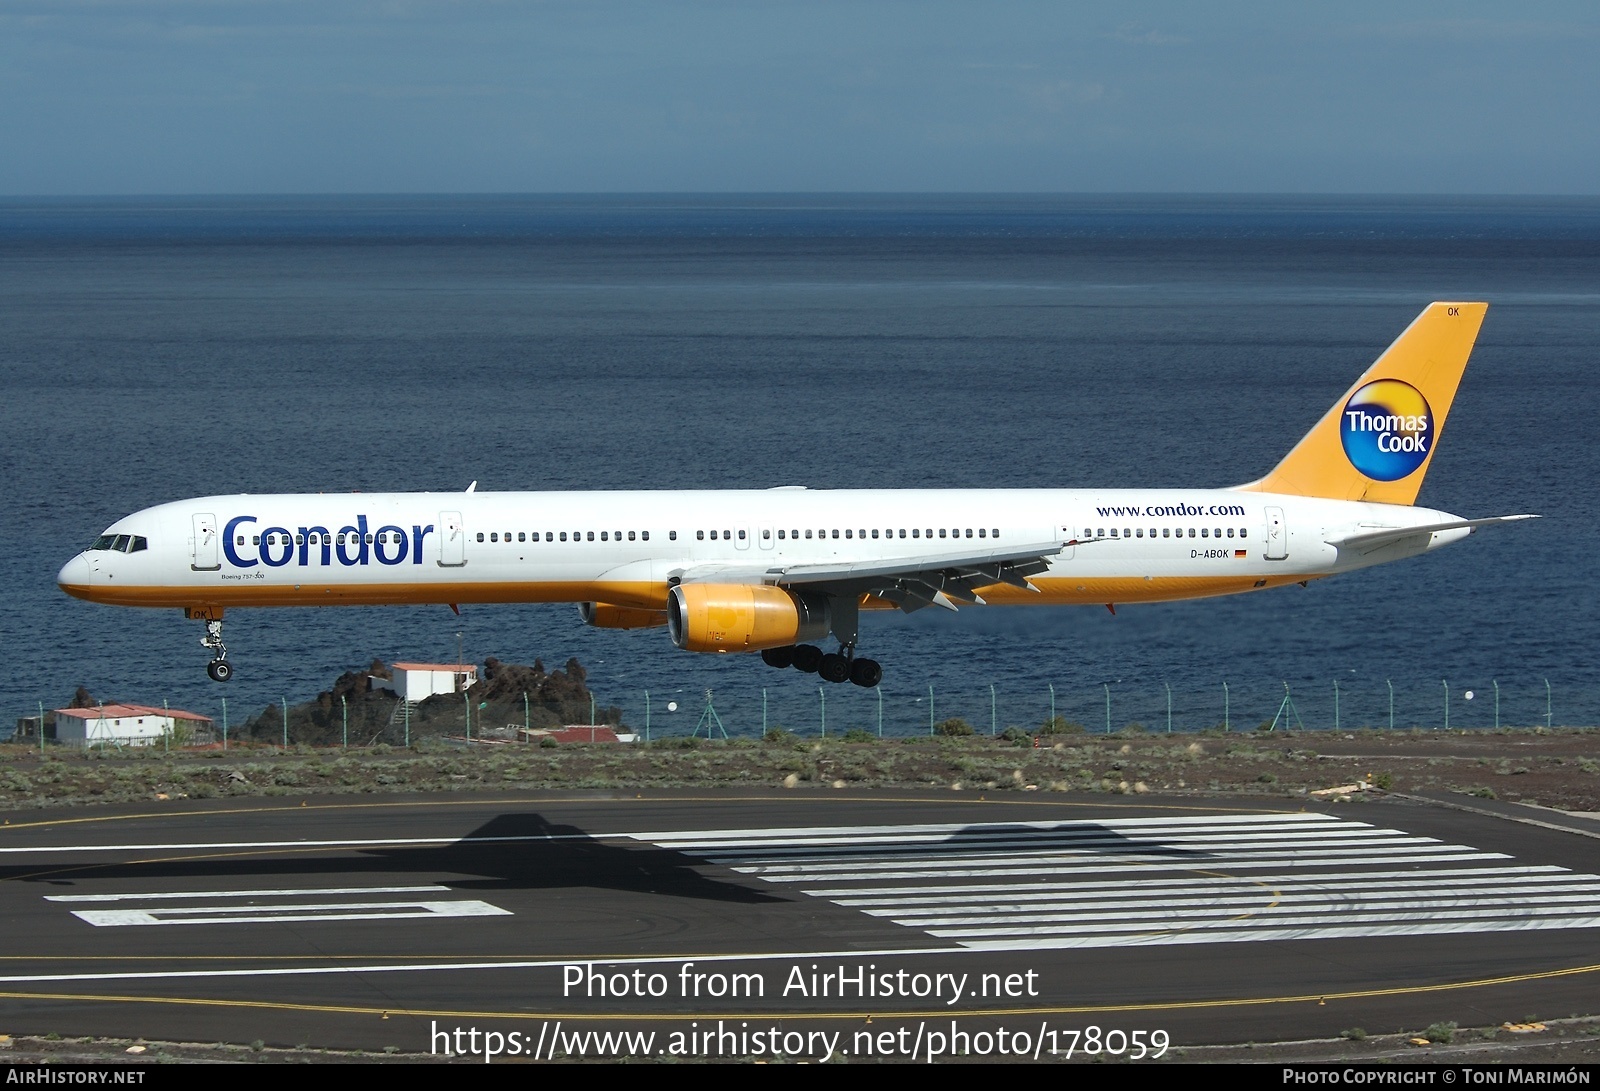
1387, 429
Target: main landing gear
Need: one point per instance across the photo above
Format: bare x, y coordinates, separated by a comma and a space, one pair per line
840, 666
219, 668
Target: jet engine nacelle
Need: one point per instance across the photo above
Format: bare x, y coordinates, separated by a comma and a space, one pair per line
603, 615
712, 617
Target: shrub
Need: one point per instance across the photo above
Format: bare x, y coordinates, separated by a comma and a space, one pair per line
953, 727
1440, 1032
776, 734
1383, 780
1060, 725
1017, 736
1354, 1034
856, 734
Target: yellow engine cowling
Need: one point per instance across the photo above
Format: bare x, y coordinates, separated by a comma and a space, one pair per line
736, 617
603, 615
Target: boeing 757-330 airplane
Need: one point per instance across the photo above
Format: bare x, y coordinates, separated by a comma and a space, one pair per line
775, 571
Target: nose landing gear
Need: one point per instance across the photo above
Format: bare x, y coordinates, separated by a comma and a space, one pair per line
219, 668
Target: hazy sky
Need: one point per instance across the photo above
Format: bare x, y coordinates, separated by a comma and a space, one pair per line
241, 96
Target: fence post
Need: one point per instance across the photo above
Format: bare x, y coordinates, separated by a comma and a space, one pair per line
1052, 686
1336, 704
41, 729
1497, 705
646, 715
879, 690
527, 722
591, 714
166, 736
1169, 708
763, 712
1226, 727
930, 712
284, 701
224, 724
1390, 684
1547, 723
822, 697
1446, 686
407, 707
994, 722
1107, 687
466, 704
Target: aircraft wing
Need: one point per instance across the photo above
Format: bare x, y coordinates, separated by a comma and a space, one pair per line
909, 582
1369, 540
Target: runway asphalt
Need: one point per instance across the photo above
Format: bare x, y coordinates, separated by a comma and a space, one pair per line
877, 923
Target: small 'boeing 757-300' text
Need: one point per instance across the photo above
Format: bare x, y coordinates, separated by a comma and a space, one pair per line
777, 571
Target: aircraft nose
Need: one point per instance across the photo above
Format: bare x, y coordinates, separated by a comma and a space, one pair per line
74, 574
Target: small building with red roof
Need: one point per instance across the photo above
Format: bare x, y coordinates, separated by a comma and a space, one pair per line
129, 725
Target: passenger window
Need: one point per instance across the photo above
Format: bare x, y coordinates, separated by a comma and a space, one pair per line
238, 541
994, 532
1241, 532
493, 537
630, 535
1202, 532
1217, 533
1139, 533
981, 532
591, 536
941, 532
780, 536
700, 535
915, 533
766, 535
563, 535
874, 532
1230, 532
672, 535
644, 535
741, 536
902, 532
836, 534
603, 537
969, 532
847, 534
480, 535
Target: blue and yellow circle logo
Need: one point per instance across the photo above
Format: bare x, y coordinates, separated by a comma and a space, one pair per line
1387, 429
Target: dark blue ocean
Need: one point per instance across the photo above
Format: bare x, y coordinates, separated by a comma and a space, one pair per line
153, 349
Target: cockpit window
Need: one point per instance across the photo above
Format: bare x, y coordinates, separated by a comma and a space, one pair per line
139, 543
121, 544
103, 542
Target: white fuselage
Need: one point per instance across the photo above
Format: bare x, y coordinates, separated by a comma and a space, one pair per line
625, 548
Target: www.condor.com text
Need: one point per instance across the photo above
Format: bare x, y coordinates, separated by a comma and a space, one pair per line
923, 1040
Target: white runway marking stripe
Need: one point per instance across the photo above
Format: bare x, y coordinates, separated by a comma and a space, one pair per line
1193, 879
277, 914
298, 892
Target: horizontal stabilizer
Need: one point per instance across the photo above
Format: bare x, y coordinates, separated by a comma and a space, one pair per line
1375, 539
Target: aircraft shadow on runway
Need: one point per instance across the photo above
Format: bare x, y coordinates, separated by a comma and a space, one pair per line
1013, 840
509, 852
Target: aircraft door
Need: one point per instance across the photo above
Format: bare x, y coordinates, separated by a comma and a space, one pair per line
204, 544
766, 537
1277, 535
452, 540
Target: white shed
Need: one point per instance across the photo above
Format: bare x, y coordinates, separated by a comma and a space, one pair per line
419, 681
124, 725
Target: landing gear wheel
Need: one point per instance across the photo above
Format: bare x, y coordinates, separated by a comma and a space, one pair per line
834, 668
866, 673
807, 658
220, 670
779, 657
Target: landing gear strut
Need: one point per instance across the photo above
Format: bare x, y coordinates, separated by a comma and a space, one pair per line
219, 668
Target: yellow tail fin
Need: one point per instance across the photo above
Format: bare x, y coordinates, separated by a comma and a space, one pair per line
1378, 439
